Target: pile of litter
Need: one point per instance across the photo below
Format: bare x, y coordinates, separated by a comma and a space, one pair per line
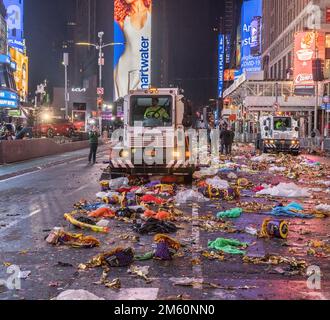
220, 199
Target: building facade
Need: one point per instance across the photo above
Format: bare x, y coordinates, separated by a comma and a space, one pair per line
281, 20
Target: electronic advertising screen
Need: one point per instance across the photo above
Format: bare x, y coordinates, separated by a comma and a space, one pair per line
251, 35
15, 24
132, 61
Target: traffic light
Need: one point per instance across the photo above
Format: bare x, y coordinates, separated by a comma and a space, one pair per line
99, 104
318, 67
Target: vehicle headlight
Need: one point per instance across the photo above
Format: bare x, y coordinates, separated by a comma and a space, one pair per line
176, 154
124, 154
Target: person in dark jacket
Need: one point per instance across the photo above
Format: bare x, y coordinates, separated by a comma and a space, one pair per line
94, 143
226, 140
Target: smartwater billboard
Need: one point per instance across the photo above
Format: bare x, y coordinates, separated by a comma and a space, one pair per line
132, 62
221, 63
15, 24
251, 35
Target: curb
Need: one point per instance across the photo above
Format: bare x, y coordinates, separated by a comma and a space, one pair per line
44, 166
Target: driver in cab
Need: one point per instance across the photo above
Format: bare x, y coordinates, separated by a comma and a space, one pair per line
156, 112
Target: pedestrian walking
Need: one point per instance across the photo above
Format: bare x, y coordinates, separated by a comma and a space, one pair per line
226, 138
94, 143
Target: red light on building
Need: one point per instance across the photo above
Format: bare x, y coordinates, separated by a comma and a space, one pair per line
327, 17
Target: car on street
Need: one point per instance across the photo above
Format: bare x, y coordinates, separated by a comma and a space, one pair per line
55, 127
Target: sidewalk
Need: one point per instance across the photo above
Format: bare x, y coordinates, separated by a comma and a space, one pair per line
15, 169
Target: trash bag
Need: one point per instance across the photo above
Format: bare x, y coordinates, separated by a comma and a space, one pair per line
233, 213
218, 183
228, 245
292, 210
120, 258
286, 190
189, 195
163, 252
155, 226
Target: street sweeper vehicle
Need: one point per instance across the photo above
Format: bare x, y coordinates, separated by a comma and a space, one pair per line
278, 134
153, 140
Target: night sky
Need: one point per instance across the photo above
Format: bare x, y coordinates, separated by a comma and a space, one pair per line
45, 27
193, 44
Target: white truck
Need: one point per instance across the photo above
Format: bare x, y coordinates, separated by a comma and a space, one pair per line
278, 134
153, 139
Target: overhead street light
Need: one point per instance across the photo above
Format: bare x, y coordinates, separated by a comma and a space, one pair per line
100, 46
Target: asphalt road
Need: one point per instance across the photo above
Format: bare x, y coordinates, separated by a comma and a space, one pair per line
33, 203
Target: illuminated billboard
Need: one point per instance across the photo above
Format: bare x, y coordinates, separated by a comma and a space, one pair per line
221, 63
8, 99
15, 24
132, 62
306, 45
229, 75
251, 35
21, 73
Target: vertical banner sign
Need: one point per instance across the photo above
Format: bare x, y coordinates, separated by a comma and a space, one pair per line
221, 63
307, 46
132, 61
15, 24
228, 48
251, 35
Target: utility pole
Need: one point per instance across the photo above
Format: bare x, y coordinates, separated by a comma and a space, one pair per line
316, 88
99, 47
101, 62
66, 93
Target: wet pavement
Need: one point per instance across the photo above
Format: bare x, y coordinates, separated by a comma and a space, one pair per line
32, 204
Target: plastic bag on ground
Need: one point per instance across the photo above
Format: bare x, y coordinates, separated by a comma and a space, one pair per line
218, 183
286, 190
205, 172
189, 195
263, 157
101, 195
231, 246
325, 208
233, 213
77, 295
277, 169
117, 183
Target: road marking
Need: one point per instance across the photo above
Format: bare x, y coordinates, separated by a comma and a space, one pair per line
197, 269
19, 176
15, 222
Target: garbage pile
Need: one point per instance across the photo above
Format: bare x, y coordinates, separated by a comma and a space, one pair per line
278, 191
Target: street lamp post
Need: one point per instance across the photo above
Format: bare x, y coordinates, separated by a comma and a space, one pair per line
66, 93
100, 46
